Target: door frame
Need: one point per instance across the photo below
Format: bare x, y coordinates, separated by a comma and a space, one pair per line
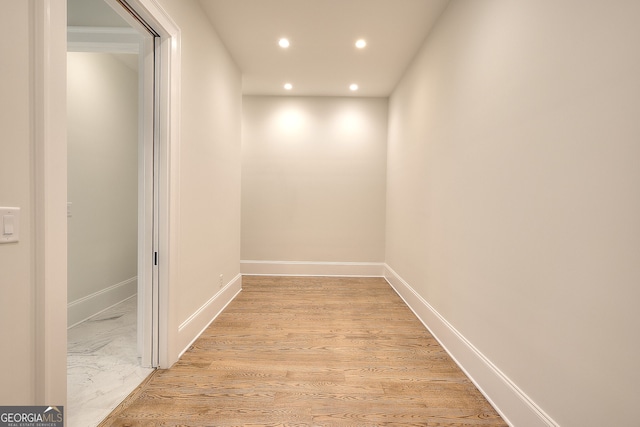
156, 299
48, 21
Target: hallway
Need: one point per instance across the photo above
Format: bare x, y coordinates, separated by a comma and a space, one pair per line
498, 191
311, 351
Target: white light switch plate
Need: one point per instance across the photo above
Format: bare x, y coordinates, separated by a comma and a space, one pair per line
9, 225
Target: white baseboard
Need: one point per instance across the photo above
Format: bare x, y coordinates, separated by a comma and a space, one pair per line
81, 309
310, 268
515, 407
195, 325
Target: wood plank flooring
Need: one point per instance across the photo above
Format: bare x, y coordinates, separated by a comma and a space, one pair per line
309, 351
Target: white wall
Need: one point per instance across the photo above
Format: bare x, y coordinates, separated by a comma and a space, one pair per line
32, 177
17, 311
32, 283
513, 198
102, 111
313, 179
209, 165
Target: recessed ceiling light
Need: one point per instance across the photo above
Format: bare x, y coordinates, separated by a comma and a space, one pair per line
288, 86
353, 87
284, 43
360, 44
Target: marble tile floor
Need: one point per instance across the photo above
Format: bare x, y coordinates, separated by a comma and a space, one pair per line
102, 364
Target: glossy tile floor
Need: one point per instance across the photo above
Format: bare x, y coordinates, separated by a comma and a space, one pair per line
102, 364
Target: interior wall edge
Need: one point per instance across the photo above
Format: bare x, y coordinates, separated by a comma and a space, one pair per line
49, 195
515, 407
311, 268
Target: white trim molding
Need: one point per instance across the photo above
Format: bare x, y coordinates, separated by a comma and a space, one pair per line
515, 407
167, 50
196, 324
103, 39
81, 309
311, 268
49, 144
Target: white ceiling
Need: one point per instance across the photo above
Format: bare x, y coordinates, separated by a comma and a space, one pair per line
322, 59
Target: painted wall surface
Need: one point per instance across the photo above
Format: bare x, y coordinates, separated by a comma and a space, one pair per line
17, 297
313, 179
102, 110
513, 195
35, 369
33, 170
211, 105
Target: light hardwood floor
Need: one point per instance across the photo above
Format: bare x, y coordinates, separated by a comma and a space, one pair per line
309, 351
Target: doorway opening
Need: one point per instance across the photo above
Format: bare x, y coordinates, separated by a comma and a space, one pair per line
114, 210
